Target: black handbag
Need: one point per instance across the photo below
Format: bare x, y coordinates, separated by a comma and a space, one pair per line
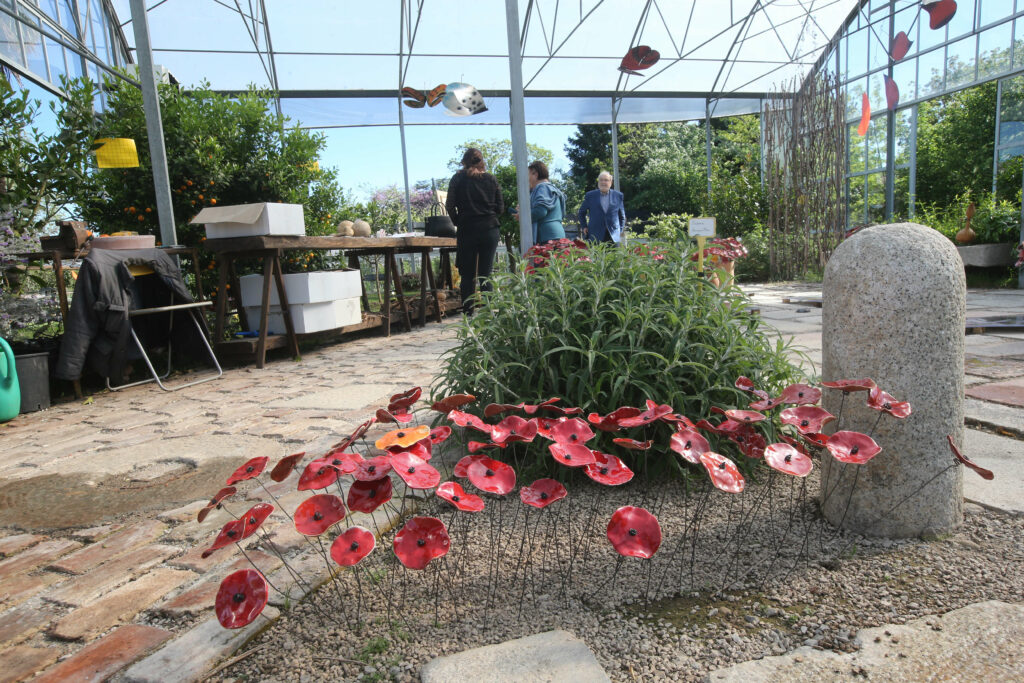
437, 224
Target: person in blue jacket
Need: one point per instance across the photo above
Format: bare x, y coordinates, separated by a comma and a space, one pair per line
602, 214
547, 205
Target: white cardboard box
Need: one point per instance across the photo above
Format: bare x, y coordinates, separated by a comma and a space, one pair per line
304, 288
311, 317
244, 220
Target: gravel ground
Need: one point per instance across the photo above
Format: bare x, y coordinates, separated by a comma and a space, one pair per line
736, 578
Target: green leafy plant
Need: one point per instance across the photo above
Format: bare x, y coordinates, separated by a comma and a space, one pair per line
613, 331
995, 220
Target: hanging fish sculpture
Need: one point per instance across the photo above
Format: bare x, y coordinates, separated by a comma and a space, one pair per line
435, 96
900, 46
462, 99
940, 12
416, 98
639, 58
892, 93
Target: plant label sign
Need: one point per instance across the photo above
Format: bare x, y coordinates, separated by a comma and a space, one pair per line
702, 227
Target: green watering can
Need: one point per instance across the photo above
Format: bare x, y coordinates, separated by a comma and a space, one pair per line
10, 392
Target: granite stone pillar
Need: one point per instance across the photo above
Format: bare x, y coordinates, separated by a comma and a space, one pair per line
894, 303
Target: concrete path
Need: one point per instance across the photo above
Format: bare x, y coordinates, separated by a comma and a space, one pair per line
100, 567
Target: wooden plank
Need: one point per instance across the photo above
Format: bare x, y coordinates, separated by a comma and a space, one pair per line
816, 303
260, 242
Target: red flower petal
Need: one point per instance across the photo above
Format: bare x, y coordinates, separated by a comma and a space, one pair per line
607, 469
254, 517
610, 422
766, 403
447, 405
421, 449
251, 469
384, 416
345, 463
545, 425
679, 420
421, 540
633, 444
457, 496
240, 598
414, 471
373, 469
750, 442
745, 416
493, 409
225, 492
404, 399
634, 532
352, 545
572, 431
964, 460
852, 447
816, 439
229, 533
900, 46
359, 433
317, 475
492, 476
513, 428
800, 394
940, 12
744, 383
879, 400
542, 493
318, 513
440, 434
786, 458
798, 444
572, 455
848, 385
469, 420
653, 412
285, 466
401, 415
723, 472
689, 444
474, 446
806, 419
367, 496
865, 115
892, 93
462, 466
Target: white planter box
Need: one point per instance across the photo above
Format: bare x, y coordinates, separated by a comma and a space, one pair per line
304, 288
244, 220
311, 317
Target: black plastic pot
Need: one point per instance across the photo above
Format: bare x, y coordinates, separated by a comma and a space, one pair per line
34, 380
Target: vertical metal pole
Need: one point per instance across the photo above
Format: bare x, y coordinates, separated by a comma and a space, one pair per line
401, 120
760, 142
273, 63
999, 123
154, 125
615, 146
707, 142
912, 181
890, 133
517, 115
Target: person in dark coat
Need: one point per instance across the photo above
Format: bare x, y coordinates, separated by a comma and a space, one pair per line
602, 214
474, 204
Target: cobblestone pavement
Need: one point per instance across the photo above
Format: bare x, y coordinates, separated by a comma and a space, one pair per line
100, 567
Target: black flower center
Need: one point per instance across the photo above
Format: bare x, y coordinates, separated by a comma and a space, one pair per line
373, 493
489, 473
252, 520
853, 451
411, 470
789, 456
632, 532
543, 495
400, 435
318, 515
688, 446
800, 394
721, 465
804, 423
887, 406
320, 471
335, 462
420, 542
354, 547
232, 533
604, 470
574, 437
568, 456
512, 432
747, 418
250, 468
371, 469
455, 498
238, 597
739, 439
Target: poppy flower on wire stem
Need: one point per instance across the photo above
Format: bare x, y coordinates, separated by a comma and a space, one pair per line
806, 419
745, 416
440, 434
800, 394
352, 545
403, 437
964, 460
610, 422
513, 428
608, 469
253, 468
454, 493
414, 471
851, 385
572, 431
450, 403
633, 444
787, 459
373, 469
852, 447
318, 513
421, 540
318, 475
653, 412
218, 497
542, 493
634, 532
880, 400
367, 496
492, 476
240, 598
285, 466
461, 470
571, 455
469, 420
690, 444
723, 472
359, 433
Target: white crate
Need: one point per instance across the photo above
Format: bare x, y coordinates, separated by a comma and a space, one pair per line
244, 220
311, 317
304, 288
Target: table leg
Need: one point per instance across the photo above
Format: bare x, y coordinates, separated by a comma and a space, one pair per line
62, 290
286, 312
236, 295
424, 262
428, 266
385, 306
261, 344
398, 291
198, 274
353, 262
222, 299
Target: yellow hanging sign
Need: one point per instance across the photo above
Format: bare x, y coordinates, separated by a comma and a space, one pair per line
116, 153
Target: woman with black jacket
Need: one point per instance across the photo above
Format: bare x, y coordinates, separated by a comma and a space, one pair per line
474, 204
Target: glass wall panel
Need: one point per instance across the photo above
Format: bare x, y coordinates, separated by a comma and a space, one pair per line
994, 10
67, 17
904, 19
1011, 112
930, 70
905, 75
876, 142
901, 195
10, 45
926, 37
960, 62
878, 48
854, 90
35, 56
856, 146
1018, 43
55, 58
901, 136
994, 50
856, 210
857, 53
876, 198
962, 23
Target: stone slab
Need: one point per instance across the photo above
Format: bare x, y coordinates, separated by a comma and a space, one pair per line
980, 642
24, 586
14, 544
987, 345
993, 367
1010, 392
342, 398
200, 596
994, 415
20, 662
100, 660
197, 651
81, 590
548, 657
109, 548
34, 557
1005, 457
21, 622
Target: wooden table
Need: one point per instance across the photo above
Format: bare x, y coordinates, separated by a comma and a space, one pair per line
269, 248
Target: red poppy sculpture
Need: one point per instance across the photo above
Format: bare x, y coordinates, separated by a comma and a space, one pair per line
723, 472
229, 533
317, 475
285, 466
690, 444
252, 468
966, 462
367, 496
318, 513
608, 469
352, 545
634, 532
806, 419
359, 433
654, 412
454, 493
940, 12
633, 444
571, 431
545, 425
469, 420
403, 437
240, 598
461, 470
850, 385
421, 449
414, 471
611, 421
492, 476
373, 469
542, 493
571, 455
639, 58
800, 394
745, 416
900, 46
218, 497
450, 403
852, 447
421, 540
440, 434
787, 459
514, 428
880, 400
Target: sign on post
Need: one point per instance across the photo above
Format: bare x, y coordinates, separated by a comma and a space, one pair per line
702, 227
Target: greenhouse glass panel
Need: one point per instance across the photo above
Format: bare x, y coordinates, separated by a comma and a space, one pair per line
878, 48
35, 56
994, 10
905, 75
930, 72
854, 90
876, 142
960, 62
67, 18
903, 127
856, 146
74, 63
857, 53
55, 58
928, 38
1011, 112
994, 50
901, 195
856, 213
902, 22
876, 198
962, 22
10, 47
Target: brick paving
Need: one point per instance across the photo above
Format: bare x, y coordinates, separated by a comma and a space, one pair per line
124, 591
